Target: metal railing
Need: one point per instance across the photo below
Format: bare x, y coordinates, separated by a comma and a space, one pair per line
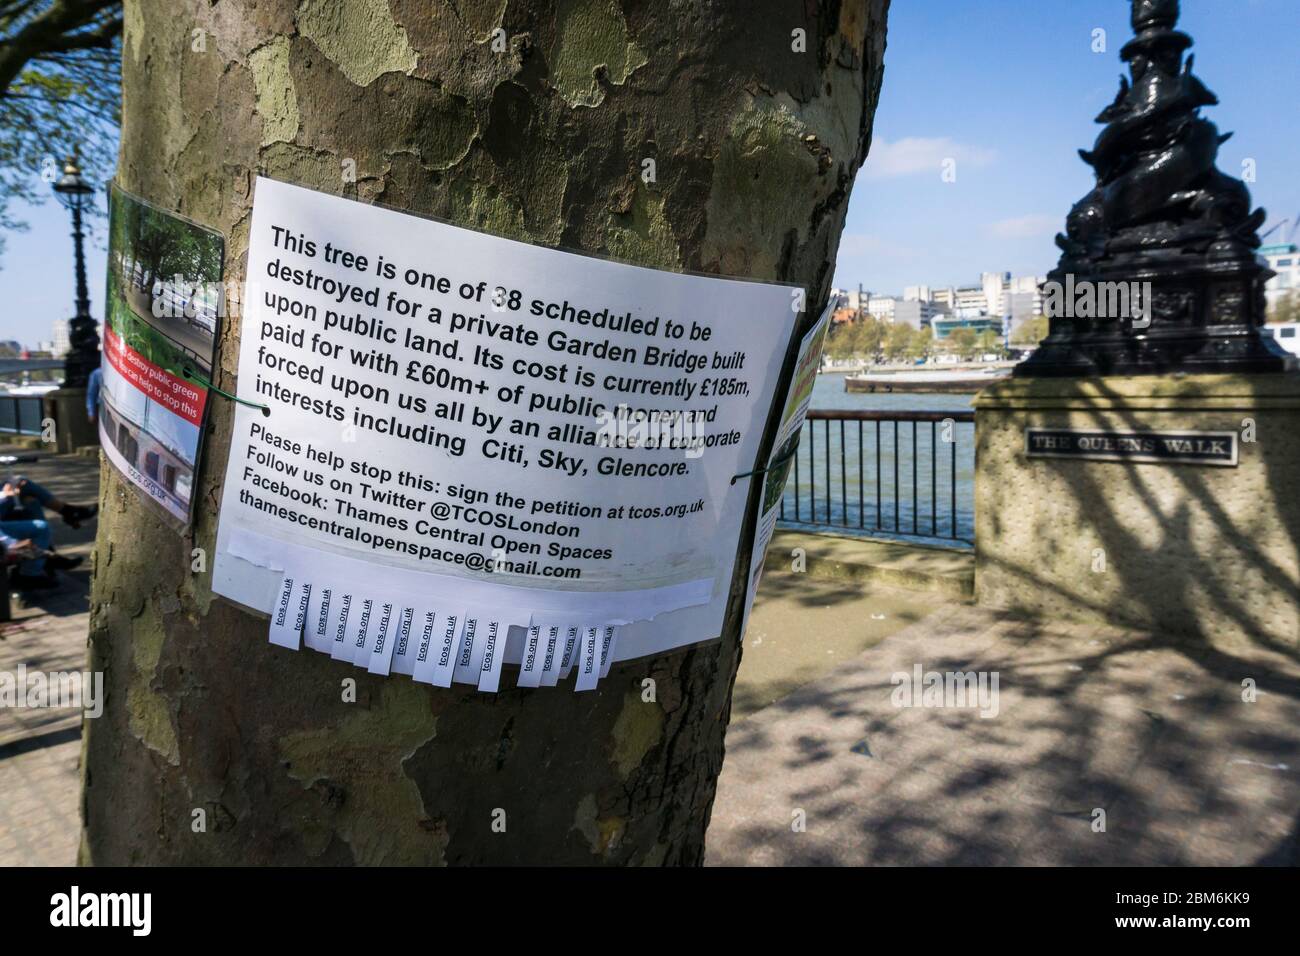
893, 480
20, 414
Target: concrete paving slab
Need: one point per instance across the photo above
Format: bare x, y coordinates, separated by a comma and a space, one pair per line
1145, 734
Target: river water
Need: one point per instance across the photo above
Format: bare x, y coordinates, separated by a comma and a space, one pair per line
916, 503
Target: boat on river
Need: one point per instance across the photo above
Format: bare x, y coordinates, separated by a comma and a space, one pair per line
934, 381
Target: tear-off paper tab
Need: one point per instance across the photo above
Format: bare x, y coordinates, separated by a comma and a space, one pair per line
398, 634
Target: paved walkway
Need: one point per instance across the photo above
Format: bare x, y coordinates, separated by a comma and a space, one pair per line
821, 767
1094, 726
40, 749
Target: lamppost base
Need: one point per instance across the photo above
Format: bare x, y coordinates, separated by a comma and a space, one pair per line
1203, 319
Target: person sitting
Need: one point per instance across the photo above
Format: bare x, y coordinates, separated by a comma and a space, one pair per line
22, 499
28, 544
25, 535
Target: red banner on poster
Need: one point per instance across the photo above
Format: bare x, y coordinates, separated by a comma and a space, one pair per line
174, 394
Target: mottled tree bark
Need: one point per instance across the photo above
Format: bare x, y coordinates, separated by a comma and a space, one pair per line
526, 118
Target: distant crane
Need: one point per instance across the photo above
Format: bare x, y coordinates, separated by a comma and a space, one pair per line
1290, 236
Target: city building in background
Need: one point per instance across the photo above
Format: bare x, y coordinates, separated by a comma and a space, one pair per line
1287, 335
917, 313
62, 343
1284, 259
944, 327
997, 298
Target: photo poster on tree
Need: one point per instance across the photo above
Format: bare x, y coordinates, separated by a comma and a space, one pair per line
162, 306
481, 451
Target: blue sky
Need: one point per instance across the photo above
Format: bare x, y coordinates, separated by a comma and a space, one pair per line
1008, 88
37, 284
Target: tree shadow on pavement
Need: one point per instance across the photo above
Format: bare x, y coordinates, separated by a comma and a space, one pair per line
1113, 744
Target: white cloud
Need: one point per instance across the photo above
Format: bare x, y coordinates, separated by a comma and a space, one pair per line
919, 154
1026, 227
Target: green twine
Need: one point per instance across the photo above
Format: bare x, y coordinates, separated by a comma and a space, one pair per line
776, 463
193, 376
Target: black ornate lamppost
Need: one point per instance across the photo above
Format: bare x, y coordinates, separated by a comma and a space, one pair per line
83, 338
1162, 218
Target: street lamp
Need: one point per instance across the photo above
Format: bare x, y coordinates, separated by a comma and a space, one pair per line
83, 338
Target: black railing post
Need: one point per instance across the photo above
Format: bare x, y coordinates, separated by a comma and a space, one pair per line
829, 486
934, 480
877, 474
812, 472
954, 484
861, 516
796, 484
844, 480
915, 459
897, 419
896, 524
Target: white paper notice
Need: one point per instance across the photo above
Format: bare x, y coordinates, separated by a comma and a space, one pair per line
536, 431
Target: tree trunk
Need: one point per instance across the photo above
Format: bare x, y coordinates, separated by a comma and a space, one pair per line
532, 120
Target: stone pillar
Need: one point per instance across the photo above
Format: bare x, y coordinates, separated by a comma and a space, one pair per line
1199, 551
72, 429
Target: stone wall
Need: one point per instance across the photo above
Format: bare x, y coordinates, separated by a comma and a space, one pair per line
1207, 553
